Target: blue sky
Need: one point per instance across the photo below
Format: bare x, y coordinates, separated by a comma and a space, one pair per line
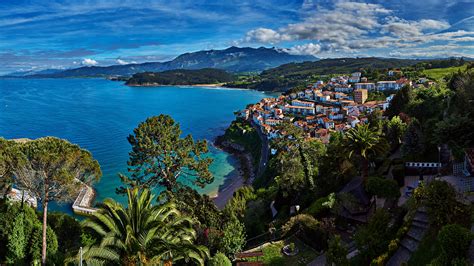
63, 34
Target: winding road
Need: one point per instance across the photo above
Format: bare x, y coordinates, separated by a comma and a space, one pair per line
264, 155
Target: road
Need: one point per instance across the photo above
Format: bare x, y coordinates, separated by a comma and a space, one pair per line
265, 151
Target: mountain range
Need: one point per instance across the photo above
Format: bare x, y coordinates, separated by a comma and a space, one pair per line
232, 59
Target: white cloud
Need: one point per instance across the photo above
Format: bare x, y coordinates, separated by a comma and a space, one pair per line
404, 28
121, 62
305, 49
263, 35
351, 27
89, 62
347, 20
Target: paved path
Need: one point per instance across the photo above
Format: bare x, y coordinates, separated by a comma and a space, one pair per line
264, 154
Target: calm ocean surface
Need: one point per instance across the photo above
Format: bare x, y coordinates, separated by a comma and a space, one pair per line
98, 115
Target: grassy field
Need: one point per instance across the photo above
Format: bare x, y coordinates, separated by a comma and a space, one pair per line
274, 257
439, 73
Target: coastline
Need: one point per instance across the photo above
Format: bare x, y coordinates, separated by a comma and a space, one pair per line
214, 85
246, 171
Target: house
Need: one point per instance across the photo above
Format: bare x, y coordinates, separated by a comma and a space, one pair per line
311, 119
302, 103
328, 123
404, 81
365, 86
343, 88
356, 74
353, 120
360, 95
19, 195
356, 204
392, 73
272, 122
300, 110
354, 79
257, 119
244, 114
388, 85
469, 161
336, 116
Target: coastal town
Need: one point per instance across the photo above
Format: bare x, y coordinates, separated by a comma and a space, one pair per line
324, 107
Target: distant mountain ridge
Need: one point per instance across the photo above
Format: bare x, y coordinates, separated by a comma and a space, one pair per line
232, 59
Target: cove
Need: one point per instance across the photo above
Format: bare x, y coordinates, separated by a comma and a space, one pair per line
99, 114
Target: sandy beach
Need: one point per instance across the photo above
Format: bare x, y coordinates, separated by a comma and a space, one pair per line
226, 192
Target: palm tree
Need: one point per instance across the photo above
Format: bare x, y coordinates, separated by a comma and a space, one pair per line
364, 142
142, 234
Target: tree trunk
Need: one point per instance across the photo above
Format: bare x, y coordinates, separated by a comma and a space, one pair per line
45, 220
365, 168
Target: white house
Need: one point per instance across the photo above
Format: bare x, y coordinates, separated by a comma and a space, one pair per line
388, 85
367, 86
302, 103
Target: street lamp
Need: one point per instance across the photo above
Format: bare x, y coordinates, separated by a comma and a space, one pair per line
439, 159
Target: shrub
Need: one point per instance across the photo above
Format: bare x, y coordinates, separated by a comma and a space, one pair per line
309, 230
318, 207
398, 172
36, 243
454, 240
233, 239
219, 259
337, 252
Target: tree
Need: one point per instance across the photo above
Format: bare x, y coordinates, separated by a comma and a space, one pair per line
142, 234
383, 187
233, 239
16, 241
373, 238
399, 101
413, 141
337, 252
159, 156
53, 169
454, 240
364, 142
36, 245
443, 208
394, 131
8, 156
297, 160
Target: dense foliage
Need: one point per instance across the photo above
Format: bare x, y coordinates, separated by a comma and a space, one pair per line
181, 77
142, 233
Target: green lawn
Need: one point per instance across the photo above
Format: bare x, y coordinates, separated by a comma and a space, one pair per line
274, 256
439, 73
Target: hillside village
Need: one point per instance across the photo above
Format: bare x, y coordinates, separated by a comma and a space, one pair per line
325, 107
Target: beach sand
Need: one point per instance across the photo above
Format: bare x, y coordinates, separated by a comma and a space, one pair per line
226, 191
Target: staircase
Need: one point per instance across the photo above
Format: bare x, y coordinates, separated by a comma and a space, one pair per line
411, 240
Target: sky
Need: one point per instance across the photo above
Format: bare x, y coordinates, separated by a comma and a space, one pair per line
40, 34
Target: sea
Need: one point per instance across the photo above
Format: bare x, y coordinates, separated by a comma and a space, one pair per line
98, 115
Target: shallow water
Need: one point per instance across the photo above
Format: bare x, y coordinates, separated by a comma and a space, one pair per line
98, 115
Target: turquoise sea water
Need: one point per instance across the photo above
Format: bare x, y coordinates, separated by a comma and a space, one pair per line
98, 115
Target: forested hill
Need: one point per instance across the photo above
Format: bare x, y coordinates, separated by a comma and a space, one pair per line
337, 66
181, 77
294, 74
299, 74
